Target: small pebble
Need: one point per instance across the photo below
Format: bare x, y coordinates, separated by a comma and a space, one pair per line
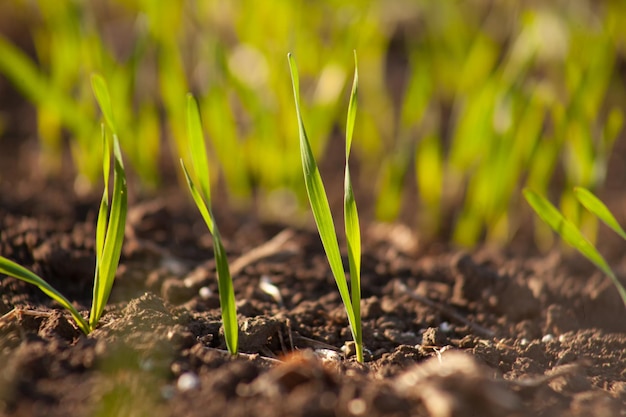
357, 406
562, 338
270, 289
327, 355
188, 381
523, 342
445, 327
205, 293
547, 338
176, 368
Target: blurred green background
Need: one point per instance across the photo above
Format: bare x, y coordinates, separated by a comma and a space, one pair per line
462, 103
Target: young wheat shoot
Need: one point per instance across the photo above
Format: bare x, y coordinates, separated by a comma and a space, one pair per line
323, 217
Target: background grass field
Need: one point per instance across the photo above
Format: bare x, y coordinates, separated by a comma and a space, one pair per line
461, 104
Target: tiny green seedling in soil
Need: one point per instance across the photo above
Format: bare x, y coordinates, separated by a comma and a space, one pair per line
202, 198
572, 235
109, 228
323, 217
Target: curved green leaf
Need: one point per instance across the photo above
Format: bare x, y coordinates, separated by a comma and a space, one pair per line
202, 198
197, 148
597, 207
14, 270
101, 91
197, 198
570, 234
351, 219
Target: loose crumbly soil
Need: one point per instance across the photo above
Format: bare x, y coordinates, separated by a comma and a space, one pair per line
447, 332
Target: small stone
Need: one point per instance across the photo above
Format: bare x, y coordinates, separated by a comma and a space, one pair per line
445, 327
178, 368
188, 381
205, 293
547, 338
327, 355
357, 406
266, 285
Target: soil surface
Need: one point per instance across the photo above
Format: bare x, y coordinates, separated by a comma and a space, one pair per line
447, 332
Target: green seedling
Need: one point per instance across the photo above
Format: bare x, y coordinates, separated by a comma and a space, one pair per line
15, 270
323, 217
572, 235
460, 105
109, 228
202, 198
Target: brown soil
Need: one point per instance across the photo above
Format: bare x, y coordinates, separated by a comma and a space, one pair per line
448, 333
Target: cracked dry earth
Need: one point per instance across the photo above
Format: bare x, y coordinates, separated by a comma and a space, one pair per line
447, 333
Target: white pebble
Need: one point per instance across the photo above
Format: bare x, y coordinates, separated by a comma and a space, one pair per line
270, 289
547, 338
327, 355
188, 381
523, 342
205, 293
445, 327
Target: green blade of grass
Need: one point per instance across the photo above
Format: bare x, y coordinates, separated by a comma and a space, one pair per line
101, 226
201, 168
226, 294
566, 229
319, 204
597, 207
14, 270
197, 148
197, 198
103, 213
101, 91
108, 243
351, 219
114, 239
570, 234
352, 107
25, 75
